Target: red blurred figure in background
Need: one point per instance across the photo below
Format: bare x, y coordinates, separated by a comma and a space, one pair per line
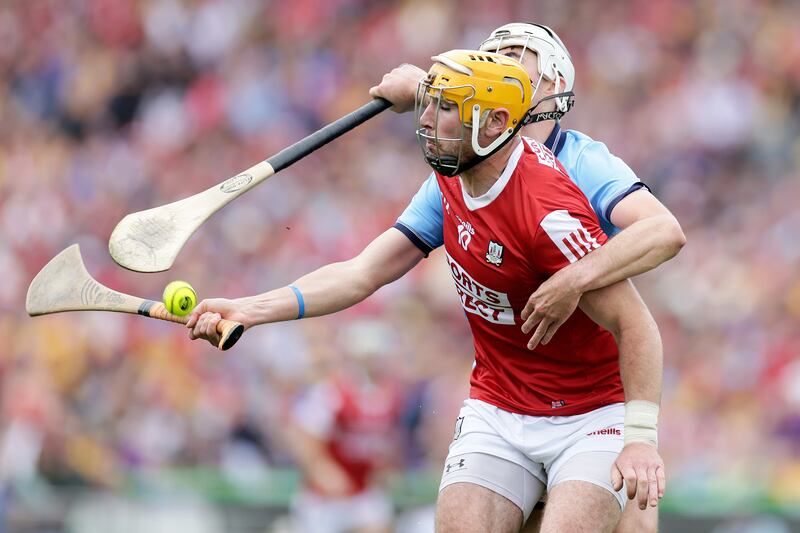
344, 434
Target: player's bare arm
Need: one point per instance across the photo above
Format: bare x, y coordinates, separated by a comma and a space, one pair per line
311, 455
650, 236
327, 290
399, 87
620, 310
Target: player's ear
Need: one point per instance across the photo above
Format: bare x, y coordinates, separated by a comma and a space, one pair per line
497, 121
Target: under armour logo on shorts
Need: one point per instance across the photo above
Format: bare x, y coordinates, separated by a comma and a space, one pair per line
455, 466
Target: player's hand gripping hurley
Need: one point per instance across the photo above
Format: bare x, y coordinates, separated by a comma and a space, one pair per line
65, 285
149, 241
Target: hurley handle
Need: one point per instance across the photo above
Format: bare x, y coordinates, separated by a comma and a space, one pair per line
324, 135
228, 330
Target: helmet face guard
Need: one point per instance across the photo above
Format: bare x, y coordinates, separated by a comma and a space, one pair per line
475, 83
554, 61
433, 146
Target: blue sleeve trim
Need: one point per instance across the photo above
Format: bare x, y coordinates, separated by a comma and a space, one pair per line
414, 238
617, 199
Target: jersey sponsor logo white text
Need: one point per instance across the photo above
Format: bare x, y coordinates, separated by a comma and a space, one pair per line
568, 234
478, 299
544, 155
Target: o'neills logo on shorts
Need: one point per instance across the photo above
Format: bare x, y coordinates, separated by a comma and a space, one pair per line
606, 431
478, 299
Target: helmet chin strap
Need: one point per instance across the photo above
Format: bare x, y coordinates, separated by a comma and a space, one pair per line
532, 118
561, 109
446, 165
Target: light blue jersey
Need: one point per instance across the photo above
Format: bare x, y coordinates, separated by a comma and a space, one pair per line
604, 178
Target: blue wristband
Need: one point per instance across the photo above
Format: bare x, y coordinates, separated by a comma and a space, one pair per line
301, 304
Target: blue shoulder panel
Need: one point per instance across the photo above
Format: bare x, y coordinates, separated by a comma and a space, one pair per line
604, 178
422, 220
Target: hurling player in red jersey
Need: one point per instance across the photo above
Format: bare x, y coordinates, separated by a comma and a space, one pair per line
344, 433
554, 418
645, 233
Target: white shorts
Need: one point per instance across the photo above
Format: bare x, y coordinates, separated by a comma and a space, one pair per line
317, 514
517, 456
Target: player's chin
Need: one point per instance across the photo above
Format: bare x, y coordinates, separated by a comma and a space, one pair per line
438, 153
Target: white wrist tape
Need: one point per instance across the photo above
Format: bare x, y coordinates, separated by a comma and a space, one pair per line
641, 422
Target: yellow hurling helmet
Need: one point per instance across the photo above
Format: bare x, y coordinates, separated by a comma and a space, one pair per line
476, 82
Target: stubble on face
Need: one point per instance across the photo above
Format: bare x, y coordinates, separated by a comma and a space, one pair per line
446, 126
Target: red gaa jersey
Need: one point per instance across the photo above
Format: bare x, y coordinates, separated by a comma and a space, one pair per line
357, 422
500, 247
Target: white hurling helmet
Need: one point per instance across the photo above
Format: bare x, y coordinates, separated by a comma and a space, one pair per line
554, 59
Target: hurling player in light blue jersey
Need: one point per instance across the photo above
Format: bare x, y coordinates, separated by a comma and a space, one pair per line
645, 233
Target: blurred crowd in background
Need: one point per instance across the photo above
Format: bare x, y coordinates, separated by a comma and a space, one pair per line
113, 106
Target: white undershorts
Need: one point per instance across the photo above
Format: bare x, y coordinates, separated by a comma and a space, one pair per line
317, 514
518, 456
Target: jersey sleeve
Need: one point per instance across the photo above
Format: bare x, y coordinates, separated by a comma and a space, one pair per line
315, 411
422, 220
568, 231
605, 179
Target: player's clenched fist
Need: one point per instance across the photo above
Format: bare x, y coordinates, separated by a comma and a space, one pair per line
642, 469
549, 307
202, 322
399, 87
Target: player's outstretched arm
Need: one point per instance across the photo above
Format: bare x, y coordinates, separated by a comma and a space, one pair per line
650, 236
399, 87
619, 309
327, 290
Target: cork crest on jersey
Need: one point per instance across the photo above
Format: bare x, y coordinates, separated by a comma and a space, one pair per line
494, 254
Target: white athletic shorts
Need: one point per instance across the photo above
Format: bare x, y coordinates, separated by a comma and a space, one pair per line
312, 513
519, 456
